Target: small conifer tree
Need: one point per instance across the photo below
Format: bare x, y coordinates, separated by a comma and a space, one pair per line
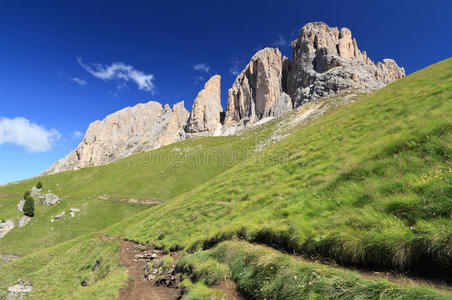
29, 207
27, 194
39, 185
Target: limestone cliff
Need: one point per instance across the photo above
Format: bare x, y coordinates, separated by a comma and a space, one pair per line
133, 129
327, 61
205, 115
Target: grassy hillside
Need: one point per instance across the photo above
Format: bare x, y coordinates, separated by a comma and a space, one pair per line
155, 175
367, 184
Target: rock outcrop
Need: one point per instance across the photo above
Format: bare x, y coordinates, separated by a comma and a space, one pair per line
256, 89
133, 129
51, 199
5, 227
327, 61
281, 106
205, 115
23, 221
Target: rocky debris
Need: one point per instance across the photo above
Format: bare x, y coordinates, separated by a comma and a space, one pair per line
205, 115
142, 127
85, 283
256, 89
19, 290
72, 211
51, 199
20, 205
7, 258
60, 215
5, 227
35, 190
23, 221
281, 106
327, 61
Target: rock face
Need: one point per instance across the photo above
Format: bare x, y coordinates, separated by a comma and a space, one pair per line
327, 61
6, 227
205, 115
23, 221
256, 89
133, 129
281, 106
20, 205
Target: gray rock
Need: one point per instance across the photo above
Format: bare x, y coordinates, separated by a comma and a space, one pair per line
71, 214
74, 209
326, 61
205, 115
256, 88
19, 290
6, 227
20, 205
60, 215
23, 221
281, 106
51, 199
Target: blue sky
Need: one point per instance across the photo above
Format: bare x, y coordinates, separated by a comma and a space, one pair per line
50, 90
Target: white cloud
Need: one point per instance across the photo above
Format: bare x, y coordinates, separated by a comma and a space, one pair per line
22, 132
77, 134
121, 72
79, 81
202, 67
280, 42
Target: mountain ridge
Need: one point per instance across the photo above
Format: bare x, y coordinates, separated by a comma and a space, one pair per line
325, 61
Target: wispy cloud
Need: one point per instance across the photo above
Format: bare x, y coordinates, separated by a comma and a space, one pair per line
199, 79
235, 66
281, 42
22, 132
121, 72
77, 134
202, 67
79, 81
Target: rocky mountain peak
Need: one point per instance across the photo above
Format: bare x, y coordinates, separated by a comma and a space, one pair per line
205, 115
327, 61
256, 88
143, 127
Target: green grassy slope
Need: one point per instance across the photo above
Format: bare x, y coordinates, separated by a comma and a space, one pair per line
367, 184
156, 175
57, 272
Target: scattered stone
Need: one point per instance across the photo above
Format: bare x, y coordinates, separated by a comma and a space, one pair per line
19, 290
7, 258
71, 214
52, 220
60, 215
23, 221
20, 205
97, 265
35, 190
51, 199
6, 227
74, 209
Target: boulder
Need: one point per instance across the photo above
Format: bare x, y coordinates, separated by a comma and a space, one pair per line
256, 89
20, 205
327, 61
51, 199
19, 290
60, 215
6, 227
23, 220
205, 115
